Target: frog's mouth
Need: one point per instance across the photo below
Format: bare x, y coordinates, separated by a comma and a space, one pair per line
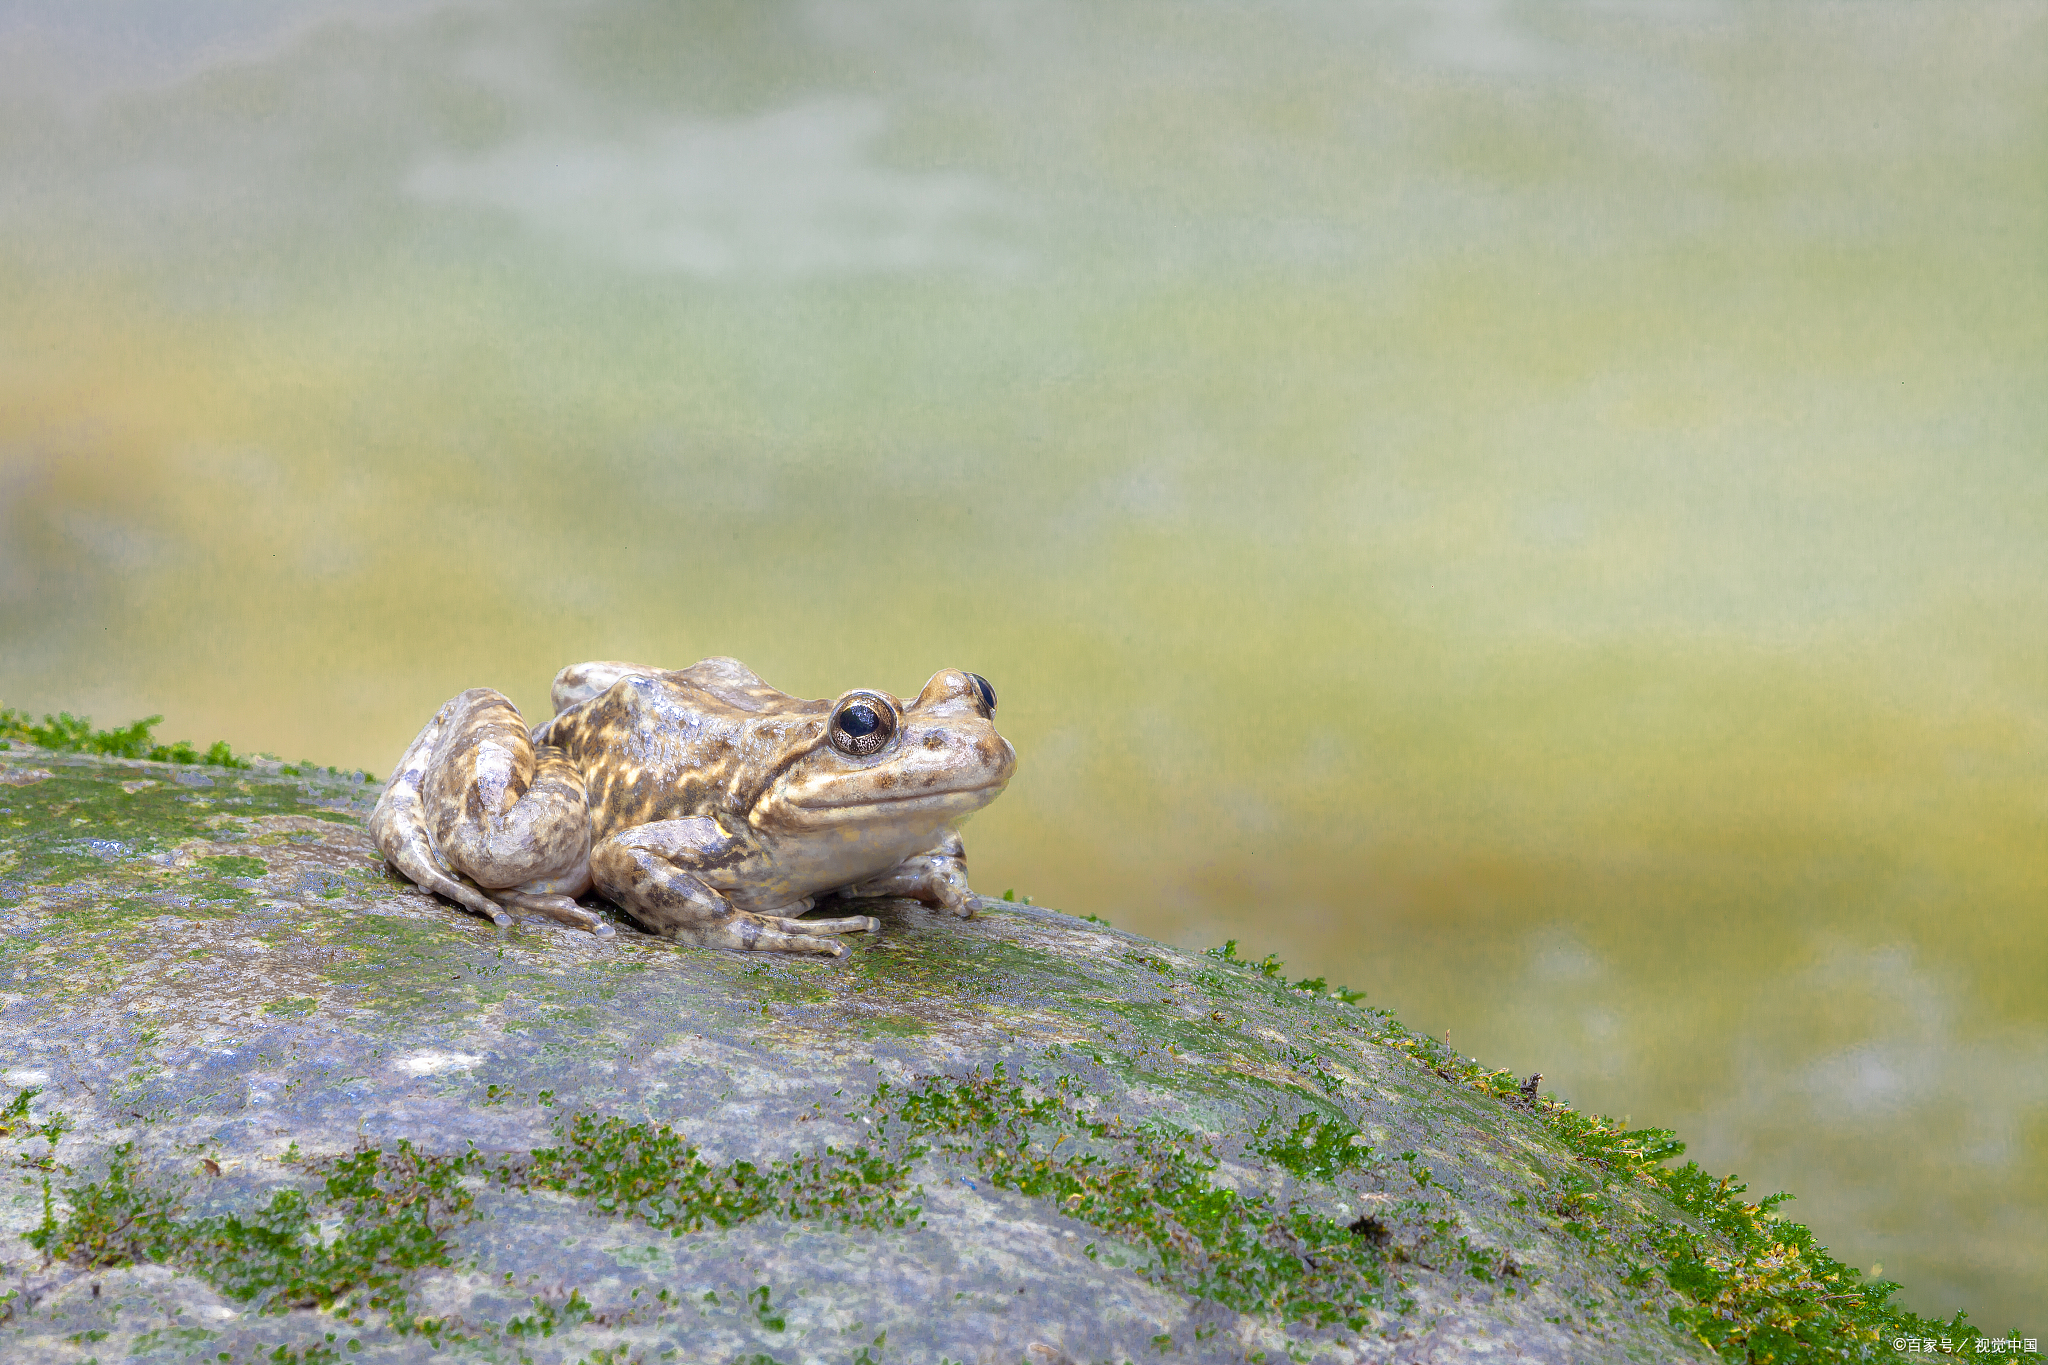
963, 796
928, 773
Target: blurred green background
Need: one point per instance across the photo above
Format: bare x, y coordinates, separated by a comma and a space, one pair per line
1537, 511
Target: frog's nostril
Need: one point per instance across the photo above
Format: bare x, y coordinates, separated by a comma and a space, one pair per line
936, 739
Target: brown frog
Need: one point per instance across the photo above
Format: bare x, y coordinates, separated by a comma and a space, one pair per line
708, 806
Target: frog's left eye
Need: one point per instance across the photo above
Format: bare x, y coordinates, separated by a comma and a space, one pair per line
988, 694
862, 725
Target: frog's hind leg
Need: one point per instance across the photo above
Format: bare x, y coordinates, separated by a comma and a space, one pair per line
474, 801
399, 823
746, 931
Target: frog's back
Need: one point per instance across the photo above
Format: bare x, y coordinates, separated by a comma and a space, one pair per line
728, 680
697, 741
732, 683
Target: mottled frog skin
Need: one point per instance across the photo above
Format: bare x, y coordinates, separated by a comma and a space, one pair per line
708, 806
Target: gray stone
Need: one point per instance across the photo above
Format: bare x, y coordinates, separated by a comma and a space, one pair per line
231, 980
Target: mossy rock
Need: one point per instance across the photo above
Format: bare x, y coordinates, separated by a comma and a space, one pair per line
273, 1103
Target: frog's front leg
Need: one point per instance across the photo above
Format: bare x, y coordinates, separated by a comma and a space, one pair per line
667, 875
479, 814
938, 877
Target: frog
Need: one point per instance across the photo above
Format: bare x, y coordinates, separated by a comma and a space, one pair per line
709, 807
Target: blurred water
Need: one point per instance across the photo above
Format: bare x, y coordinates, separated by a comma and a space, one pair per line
1536, 511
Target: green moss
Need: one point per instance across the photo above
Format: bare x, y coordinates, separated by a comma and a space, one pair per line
947, 969
1159, 1023
400, 968
231, 865
649, 1172
63, 831
395, 1211
1754, 1287
17, 1123
1319, 1148
778, 982
893, 1026
1151, 1187
123, 906
67, 733
353, 1239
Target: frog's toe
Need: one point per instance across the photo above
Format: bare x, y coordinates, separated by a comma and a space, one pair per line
850, 924
556, 907
945, 888
464, 895
750, 933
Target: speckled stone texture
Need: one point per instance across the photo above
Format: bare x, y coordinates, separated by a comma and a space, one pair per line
217, 965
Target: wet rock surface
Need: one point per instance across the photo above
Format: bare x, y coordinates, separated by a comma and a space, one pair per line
932, 1150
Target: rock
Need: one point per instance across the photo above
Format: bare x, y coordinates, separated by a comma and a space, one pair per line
310, 1108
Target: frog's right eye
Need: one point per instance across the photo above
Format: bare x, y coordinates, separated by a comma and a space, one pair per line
988, 693
862, 725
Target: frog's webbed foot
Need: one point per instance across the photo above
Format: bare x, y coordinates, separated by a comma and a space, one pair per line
938, 877
476, 813
660, 875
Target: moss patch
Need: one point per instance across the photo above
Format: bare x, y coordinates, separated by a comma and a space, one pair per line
1153, 1188
1755, 1287
66, 733
80, 824
391, 1215
232, 865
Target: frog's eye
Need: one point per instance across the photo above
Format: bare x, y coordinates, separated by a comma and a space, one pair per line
988, 694
862, 725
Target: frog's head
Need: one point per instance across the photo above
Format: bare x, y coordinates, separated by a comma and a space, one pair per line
878, 762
